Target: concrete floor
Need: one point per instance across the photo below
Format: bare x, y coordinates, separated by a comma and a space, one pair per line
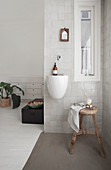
51, 153
16, 139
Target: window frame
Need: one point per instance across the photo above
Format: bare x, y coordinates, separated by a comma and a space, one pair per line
95, 7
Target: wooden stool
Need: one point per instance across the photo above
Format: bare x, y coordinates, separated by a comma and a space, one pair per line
87, 112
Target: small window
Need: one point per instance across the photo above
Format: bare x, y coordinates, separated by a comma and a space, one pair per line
87, 40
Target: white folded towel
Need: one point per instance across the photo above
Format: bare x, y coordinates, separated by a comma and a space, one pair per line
73, 116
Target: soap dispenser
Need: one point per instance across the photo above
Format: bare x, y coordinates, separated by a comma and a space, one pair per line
55, 70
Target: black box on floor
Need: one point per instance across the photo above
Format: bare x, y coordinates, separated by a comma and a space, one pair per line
33, 115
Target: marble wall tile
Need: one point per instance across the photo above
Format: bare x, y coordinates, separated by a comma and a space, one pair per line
59, 14
106, 128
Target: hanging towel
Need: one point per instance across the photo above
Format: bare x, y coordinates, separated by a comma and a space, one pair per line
73, 116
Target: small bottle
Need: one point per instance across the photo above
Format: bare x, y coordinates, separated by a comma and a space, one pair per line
54, 71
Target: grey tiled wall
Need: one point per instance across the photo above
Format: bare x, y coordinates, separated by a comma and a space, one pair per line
107, 72
59, 14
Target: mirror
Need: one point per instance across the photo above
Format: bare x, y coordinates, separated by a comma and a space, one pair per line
64, 34
86, 44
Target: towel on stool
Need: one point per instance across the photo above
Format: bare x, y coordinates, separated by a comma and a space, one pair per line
73, 116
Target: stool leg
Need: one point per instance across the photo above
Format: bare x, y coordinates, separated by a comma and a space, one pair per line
72, 142
80, 120
98, 136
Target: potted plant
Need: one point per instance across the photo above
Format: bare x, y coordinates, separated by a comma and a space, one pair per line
6, 90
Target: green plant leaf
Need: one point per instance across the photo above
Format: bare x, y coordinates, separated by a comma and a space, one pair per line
7, 88
14, 86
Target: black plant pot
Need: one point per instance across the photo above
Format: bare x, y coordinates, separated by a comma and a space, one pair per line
16, 99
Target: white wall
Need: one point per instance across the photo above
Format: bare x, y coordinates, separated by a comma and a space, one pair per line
21, 38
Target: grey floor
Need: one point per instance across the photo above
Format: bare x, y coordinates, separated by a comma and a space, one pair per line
51, 153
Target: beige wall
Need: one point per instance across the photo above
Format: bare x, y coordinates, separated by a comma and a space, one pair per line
107, 72
21, 38
59, 14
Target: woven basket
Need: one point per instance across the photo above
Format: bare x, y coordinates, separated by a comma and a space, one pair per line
5, 102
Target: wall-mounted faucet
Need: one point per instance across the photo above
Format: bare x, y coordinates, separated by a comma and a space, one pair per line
58, 57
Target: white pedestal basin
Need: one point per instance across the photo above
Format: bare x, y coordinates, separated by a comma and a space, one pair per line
57, 86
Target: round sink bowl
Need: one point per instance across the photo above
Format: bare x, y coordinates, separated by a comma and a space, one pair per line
57, 86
